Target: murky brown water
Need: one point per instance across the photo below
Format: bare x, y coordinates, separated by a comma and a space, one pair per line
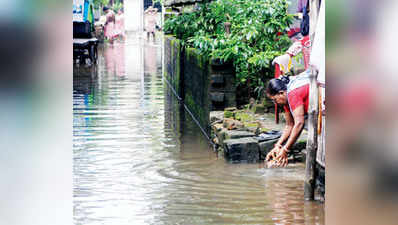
140, 159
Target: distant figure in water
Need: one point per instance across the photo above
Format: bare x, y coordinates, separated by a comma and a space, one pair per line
109, 29
119, 22
150, 17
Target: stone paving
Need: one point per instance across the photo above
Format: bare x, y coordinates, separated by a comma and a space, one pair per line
246, 136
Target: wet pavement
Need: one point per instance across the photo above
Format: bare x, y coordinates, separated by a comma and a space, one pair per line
140, 159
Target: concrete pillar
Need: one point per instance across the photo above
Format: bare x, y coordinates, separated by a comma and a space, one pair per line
133, 12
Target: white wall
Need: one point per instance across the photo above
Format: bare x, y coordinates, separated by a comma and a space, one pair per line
133, 12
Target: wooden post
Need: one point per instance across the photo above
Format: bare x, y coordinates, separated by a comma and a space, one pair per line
227, 27
277, 74
312, 141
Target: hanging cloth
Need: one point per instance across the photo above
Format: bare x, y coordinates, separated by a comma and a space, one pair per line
284, 62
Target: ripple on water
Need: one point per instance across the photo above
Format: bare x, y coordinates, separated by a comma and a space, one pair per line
136, 163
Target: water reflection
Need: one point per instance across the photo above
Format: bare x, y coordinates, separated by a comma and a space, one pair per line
140, 159
151, 59
115, 59
285, 198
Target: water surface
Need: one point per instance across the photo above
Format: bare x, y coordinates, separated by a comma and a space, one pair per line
140, 159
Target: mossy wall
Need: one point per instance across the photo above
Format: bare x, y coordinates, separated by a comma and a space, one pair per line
203, 85
173, 66
196, 86
174, 113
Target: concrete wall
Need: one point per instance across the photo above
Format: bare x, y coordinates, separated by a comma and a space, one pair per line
197, 86
204, 86
172, 63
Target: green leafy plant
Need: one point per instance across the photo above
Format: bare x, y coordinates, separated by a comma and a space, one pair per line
257, 34
182, 26
100, 3
157, 1
260, 89
117, 5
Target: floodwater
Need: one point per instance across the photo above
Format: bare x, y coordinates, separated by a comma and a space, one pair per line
140, 159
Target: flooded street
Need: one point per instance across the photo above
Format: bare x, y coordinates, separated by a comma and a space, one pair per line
140, 159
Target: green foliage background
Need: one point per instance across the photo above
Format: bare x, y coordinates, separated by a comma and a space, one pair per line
257, 36
100, 3
117, 4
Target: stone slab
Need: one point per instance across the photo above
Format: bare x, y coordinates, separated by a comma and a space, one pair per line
220, 134
242, 150
232, 124
217, 127
230, 109
265, 147
216, 116
236, 134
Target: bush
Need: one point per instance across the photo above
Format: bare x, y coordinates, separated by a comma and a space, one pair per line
257, 34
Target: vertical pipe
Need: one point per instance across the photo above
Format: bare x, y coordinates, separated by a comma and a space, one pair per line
312, 141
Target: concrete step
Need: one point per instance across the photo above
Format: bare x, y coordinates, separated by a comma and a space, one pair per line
241, 150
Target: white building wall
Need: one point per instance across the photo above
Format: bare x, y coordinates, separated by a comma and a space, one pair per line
133, 12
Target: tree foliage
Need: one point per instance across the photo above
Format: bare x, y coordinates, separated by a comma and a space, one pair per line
257, 36
117, 5
100, 3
